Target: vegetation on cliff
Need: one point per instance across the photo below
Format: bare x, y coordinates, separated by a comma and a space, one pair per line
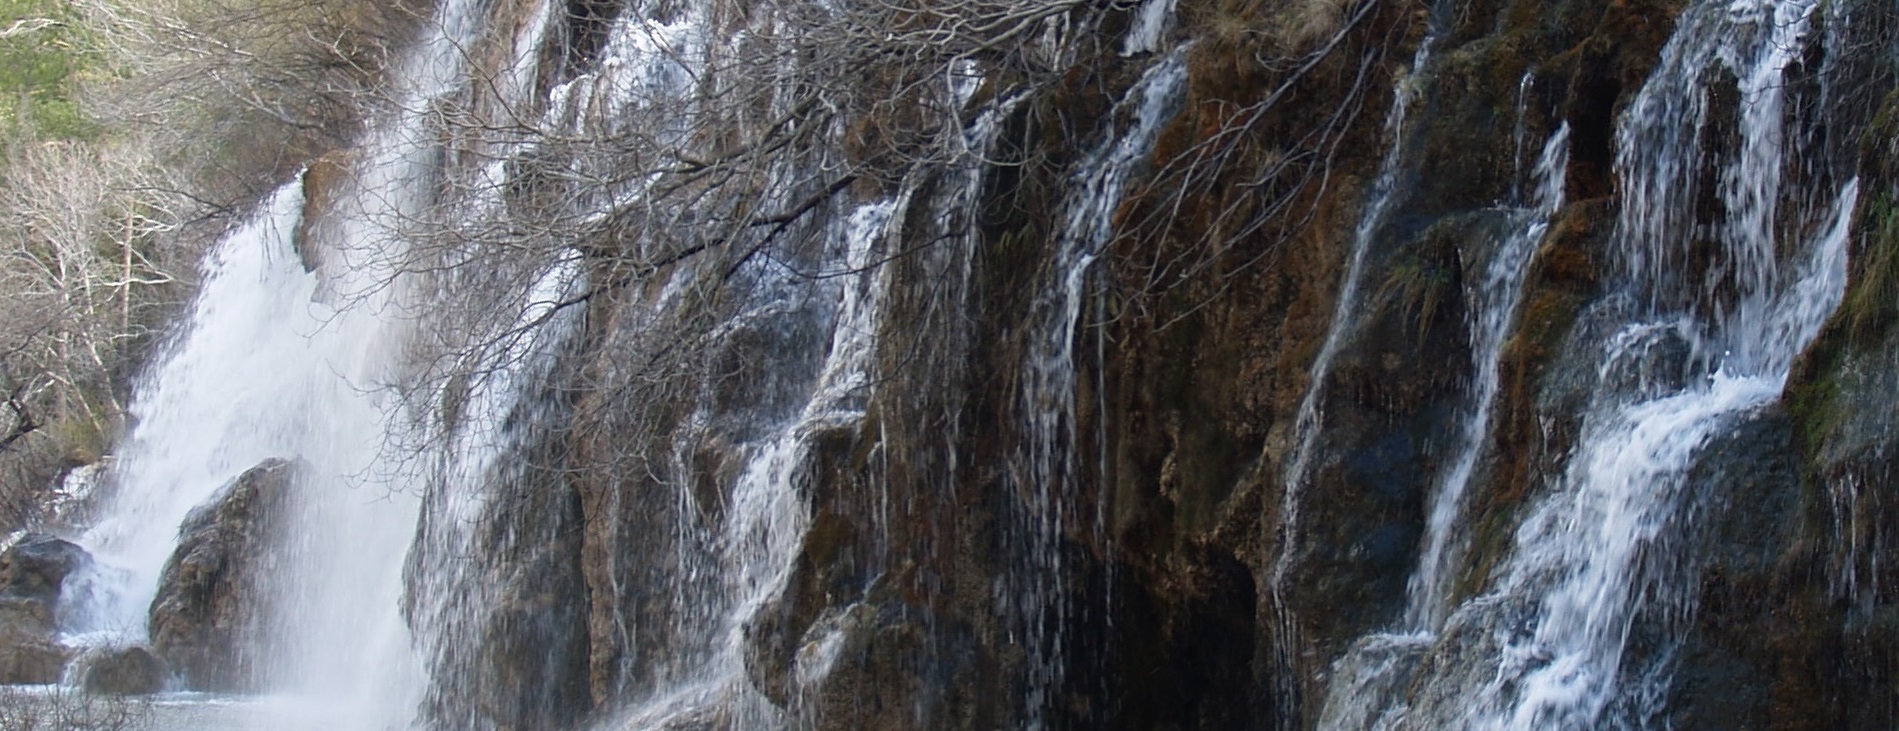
1070, 487
131, 134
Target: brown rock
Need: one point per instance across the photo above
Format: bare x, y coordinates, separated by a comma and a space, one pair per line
31, 573
323, 183
122, 671
30, 660
34, 567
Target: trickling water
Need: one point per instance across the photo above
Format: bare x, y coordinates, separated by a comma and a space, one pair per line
1518, 133
1493, 308
1048, 388
1308, 420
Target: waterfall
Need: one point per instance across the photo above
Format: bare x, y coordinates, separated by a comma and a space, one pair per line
292, 351
214, 406
1550, 645
666, 365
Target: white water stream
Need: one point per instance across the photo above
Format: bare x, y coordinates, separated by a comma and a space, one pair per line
1550, 645
1493, 307
1049, 381
277, 361
1309, 419
1377, 667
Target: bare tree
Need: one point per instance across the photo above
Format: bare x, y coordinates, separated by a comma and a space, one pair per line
81, 273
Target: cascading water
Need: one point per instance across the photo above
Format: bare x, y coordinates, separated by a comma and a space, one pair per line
1550, 645
495, 527
767, 515
1048, 388
203, 401
1365, 680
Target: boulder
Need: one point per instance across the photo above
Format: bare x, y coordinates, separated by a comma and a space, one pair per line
32, 571
35, 566
209, 609
132, 670
29, 653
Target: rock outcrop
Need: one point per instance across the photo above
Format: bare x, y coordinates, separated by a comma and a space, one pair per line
32, 571
212, 603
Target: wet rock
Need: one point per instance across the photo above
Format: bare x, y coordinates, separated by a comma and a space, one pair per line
1746, 489
35, 566
1370, 678
325, 182
905, 607
210, 604
26, 658
883, 664
1836, 583
1651, 361
32, 571
132, 670
502, 589
1464, 657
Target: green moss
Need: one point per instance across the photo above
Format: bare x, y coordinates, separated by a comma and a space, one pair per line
1843, 360
40, 66
1873, 299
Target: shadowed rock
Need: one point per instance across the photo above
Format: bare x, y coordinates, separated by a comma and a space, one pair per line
31, 573
210, 608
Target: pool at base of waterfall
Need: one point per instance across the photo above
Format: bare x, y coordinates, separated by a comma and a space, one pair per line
66, 708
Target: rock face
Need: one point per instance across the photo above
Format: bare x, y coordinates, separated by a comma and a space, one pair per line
130, 670
325, 182
31, 573
211, 605
1116, 491
967, 554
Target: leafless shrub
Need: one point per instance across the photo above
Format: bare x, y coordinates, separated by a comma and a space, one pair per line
60, 708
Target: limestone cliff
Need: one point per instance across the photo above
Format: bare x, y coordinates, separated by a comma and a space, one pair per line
1210, 364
